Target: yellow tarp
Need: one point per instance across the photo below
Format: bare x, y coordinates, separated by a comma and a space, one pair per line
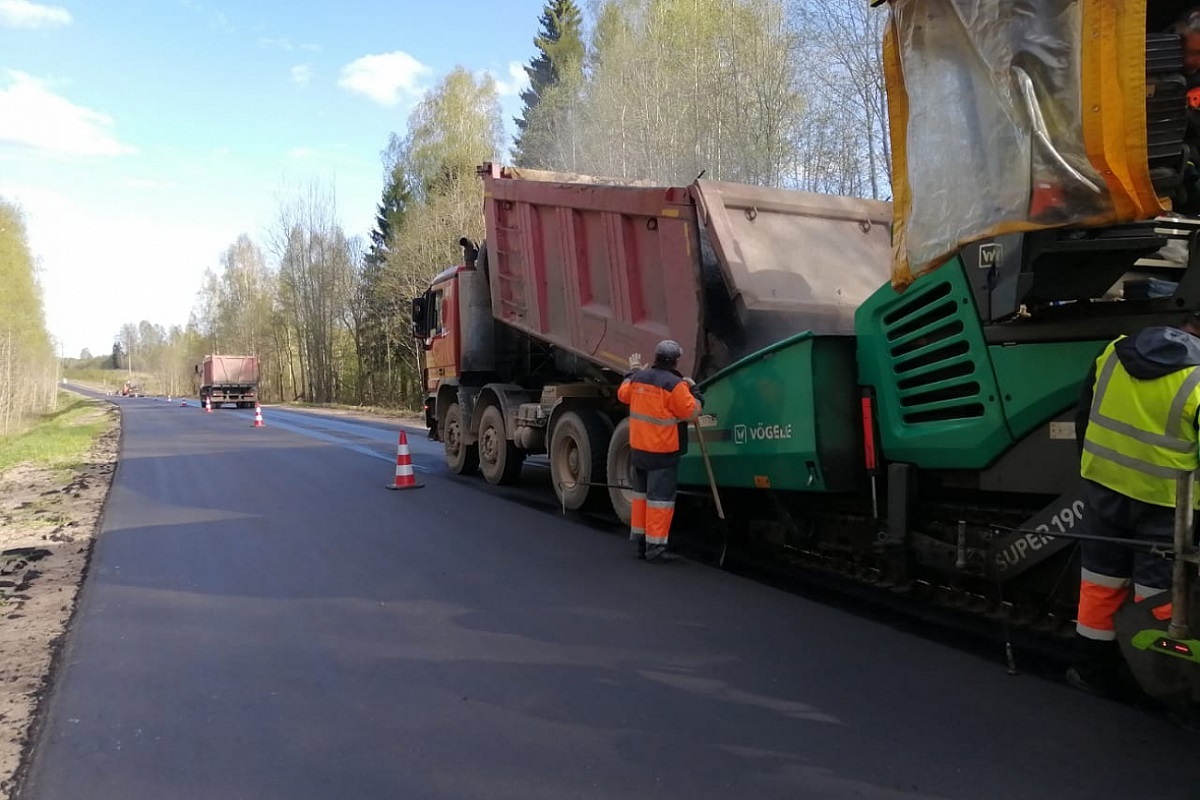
1004, 120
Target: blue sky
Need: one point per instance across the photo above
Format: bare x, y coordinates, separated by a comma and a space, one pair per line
140, 137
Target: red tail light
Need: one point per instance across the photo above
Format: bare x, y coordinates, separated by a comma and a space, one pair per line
868, 422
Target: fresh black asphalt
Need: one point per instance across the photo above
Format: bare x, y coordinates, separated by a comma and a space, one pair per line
263, 619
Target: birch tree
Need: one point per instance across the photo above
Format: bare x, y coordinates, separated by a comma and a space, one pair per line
28, 371
455, 128
844, 146
676, 87
314, 256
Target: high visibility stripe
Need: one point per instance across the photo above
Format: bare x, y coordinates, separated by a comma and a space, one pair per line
653, 420
1129, 461
660, 504
1108, 581
1141, 591
1169, 440
639, 496
1154, 439
636, 532
1175, 419
403, 471
1094, 633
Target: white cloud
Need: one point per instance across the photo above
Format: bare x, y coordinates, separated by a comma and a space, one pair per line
301, 74
33, 116
285, 44
24, 14
517, 81
385, 78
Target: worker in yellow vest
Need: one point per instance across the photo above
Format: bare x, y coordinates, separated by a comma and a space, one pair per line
1138, 427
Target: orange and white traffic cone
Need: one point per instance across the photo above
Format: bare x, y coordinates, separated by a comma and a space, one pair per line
405, 477
207, 405
258, 423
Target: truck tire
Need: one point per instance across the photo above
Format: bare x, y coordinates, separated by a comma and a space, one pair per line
462, 459
619, 469
578, 445
499, 459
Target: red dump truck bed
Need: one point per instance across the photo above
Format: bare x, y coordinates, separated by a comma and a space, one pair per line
606, 269
219, 370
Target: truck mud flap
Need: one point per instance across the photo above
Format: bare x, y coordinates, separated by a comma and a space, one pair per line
1019, 551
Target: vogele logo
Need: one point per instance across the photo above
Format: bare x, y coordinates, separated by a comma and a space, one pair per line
739, 434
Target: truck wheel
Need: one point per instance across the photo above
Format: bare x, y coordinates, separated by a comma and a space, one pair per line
577, 449
499, 459
620, 467
463, 459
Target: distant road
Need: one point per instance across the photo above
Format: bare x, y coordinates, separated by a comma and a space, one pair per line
264, 620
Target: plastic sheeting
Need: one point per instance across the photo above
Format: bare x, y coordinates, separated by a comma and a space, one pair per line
998, 125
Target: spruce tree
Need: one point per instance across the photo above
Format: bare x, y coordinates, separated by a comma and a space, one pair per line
388, 214
560, 52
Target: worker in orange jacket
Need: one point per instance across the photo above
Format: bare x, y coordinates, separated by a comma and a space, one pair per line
661, 404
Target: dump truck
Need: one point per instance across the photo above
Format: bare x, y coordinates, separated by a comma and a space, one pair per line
915, 434
228, 379
579, 278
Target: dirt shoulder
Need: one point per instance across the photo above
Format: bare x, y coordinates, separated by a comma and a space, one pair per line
364, 413
49, 518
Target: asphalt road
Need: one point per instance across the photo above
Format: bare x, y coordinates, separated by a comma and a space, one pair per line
262, 619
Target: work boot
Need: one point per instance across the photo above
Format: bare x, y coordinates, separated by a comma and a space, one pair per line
640, 541
1097, 668
657, 554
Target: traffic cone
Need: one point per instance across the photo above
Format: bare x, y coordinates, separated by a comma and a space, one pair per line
405, 477
168, 397
258, 423
207, 405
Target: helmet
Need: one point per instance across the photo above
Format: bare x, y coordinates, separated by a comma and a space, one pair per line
667, 351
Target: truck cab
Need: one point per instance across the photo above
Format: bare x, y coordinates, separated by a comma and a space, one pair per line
435, 324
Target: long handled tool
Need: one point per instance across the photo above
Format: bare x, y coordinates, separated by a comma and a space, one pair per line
712, 484
712, 481
1181, 578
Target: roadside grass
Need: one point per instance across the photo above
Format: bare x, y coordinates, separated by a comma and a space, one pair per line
60, 439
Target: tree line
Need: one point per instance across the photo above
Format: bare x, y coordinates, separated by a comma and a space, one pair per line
28, 368
769, 92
